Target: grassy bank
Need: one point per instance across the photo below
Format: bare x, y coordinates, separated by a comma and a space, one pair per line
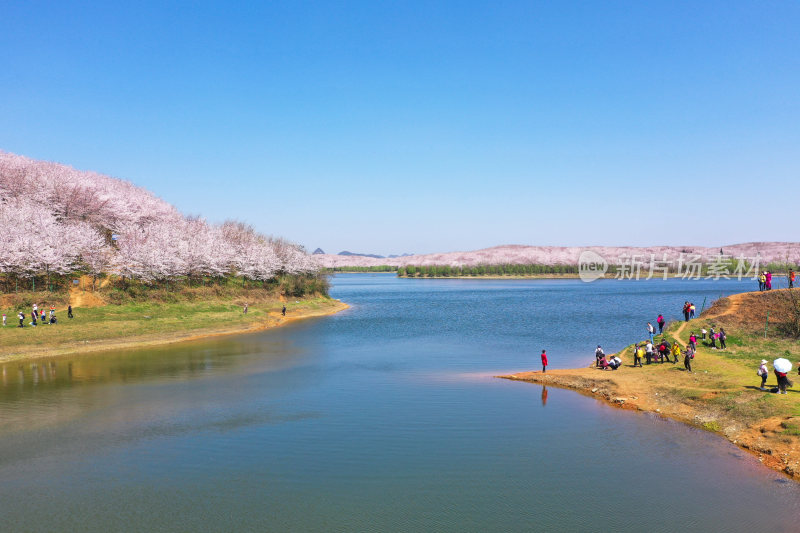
149, 323
721, 394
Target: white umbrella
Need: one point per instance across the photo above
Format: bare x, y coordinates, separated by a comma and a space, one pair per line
782, 365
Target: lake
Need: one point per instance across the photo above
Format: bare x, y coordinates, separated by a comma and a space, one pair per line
384, 417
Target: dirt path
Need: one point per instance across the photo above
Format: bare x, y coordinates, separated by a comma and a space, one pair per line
79, 297
678, 333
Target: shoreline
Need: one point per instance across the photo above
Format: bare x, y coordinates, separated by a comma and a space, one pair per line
272, 319
783, 459
720, 395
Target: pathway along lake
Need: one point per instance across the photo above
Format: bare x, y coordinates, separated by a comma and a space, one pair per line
382, 418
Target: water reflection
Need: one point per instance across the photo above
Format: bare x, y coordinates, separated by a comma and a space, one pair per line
181, 362
544, 395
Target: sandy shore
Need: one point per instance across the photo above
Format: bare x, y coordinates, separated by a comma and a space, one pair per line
272, 320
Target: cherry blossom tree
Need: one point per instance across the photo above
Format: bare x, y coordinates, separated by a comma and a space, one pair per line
57, 220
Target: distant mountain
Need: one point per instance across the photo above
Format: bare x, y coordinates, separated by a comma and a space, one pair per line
351, 254
318, 251
393, 256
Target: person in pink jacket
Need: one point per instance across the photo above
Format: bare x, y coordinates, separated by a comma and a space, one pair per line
544, 361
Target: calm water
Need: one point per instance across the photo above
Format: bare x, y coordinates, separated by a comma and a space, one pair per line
384, 417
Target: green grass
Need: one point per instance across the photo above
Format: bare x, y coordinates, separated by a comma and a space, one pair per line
139, 319
790, 428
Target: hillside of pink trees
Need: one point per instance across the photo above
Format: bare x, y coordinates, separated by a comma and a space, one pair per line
763, 252
59, 220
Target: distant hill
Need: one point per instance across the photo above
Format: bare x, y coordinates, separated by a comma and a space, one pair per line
555, 255
318, 251
351, 254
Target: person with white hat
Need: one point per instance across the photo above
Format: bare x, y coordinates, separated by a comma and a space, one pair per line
763, 372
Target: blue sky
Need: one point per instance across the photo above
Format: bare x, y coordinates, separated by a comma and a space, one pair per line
390, 127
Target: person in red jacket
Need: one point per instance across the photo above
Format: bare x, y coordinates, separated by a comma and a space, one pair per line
544, 361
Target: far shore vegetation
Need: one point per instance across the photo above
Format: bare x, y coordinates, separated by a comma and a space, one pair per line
532, 270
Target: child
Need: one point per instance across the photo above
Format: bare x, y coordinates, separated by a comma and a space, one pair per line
763, 373
676, 352
703, 332
4, 319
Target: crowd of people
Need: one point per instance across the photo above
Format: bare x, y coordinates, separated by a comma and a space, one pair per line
654, 351
659, 351
39, 316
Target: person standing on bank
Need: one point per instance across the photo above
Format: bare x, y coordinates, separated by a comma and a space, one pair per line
783, 381
638, 353
283, 311
660, 321
69, 311
676, 352
791, 279
544, 361
598, 354
688, 355
651, 331
763, 373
